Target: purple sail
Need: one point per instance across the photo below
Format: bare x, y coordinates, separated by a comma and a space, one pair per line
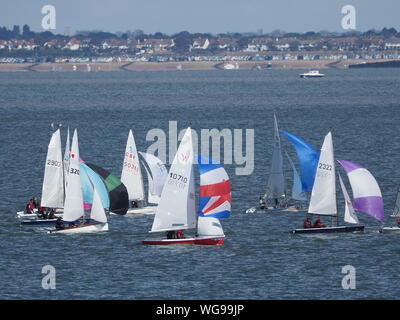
366, 191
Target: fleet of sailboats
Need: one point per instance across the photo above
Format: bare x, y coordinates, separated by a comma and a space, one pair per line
79, 192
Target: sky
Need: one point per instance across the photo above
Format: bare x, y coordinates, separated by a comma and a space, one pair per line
214, 16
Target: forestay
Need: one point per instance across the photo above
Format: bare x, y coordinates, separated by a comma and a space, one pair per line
66, 159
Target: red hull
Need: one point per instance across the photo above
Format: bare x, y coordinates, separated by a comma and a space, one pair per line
216, 241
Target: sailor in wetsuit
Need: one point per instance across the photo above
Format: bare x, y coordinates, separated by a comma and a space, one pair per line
59, 223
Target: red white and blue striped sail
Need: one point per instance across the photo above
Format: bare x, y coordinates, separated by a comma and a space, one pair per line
215, 190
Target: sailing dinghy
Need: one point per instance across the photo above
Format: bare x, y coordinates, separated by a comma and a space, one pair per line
74, 201
53, 182
132, 178
395, 214
276, 184
323, 200
176, 211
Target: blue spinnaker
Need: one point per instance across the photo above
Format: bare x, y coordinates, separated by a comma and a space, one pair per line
90, 179
308, 158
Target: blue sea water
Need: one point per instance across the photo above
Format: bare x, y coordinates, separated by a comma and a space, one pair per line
259, 259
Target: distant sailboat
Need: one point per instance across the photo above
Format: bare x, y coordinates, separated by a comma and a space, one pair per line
176, 210
53, 182
276, 182
395, 214
132, 178
323, 196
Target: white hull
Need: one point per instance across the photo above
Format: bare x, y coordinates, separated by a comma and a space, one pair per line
390, 230
88, 228
142, 210
272, 209
33, 216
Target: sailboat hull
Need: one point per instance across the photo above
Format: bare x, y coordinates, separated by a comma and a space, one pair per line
142, 210
33, 216
274, 210
45, 222
390, 230
208, 241
86, 228
328, 230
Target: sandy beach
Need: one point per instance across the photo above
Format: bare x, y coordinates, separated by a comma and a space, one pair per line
173, 66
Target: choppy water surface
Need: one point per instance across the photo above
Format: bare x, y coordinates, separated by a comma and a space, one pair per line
259, 259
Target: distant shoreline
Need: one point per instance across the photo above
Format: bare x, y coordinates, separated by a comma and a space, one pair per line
185, 65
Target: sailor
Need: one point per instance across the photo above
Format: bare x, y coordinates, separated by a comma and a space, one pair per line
59, 224
134, 204
307, 223
179, 234
170, 234
318, 223
35, 203
42, 211
29, 207
262, 203
50, 213
276, 202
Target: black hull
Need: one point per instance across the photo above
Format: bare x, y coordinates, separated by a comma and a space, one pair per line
328, 230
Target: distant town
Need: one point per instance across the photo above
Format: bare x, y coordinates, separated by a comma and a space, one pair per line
21, 45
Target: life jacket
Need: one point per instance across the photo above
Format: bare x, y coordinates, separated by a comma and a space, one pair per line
307, 224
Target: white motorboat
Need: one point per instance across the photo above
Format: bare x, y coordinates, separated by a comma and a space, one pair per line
312, 74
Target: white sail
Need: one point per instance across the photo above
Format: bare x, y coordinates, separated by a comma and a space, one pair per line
297, 189
152, 197
396, 209
53, 182
97, 213
276, 180
207, 226
156, 177
323, 195
174, 210
73, 207
66, 159
349, 213
131, 175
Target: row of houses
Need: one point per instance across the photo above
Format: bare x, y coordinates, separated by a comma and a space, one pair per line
253, 45
206, 58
